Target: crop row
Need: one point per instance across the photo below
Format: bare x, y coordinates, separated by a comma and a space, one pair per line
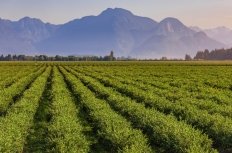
66, 129
218, 128
166, 130
9, 71
181, 86
112, 126
15, 125
177, 96
14, 78
7, 95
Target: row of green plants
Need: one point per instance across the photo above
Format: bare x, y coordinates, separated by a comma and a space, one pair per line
132, 108
112, 126
216, 126
164, 130
15, 125
9, 71
216, 77
66, 129
174, 95
12, 78
8, 95
187, 84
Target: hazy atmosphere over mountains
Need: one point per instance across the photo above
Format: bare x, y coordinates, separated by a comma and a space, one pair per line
114, 29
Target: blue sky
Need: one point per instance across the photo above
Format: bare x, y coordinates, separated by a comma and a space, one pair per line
203, 13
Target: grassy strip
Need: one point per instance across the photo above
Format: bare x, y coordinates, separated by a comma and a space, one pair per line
168, 93
66, 130
112, 126
218, 128
38, 139
14, 78
172, 135
15, 125
7, 95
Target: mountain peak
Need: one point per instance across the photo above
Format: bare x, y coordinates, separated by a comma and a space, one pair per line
4, 21
170, 21
29, 20
201, 34
114, 29
172, 25
26, 18
116, 11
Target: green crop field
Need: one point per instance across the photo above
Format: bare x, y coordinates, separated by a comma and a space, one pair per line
108, 107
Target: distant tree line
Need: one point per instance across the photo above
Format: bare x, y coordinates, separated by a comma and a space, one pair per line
10, 57
218, 54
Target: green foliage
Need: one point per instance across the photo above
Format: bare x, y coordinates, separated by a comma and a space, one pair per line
66, 130
7, 95
19, 118
112, 126
179, 107
215, 125
167, 131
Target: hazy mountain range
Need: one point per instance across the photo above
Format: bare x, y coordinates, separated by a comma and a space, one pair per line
221, 34
114, 29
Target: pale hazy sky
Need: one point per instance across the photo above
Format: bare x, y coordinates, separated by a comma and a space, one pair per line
203, 13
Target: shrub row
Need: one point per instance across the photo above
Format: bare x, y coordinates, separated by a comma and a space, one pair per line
18, 120
112, 126
218, 128
66, 129
7, 95
172, 135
